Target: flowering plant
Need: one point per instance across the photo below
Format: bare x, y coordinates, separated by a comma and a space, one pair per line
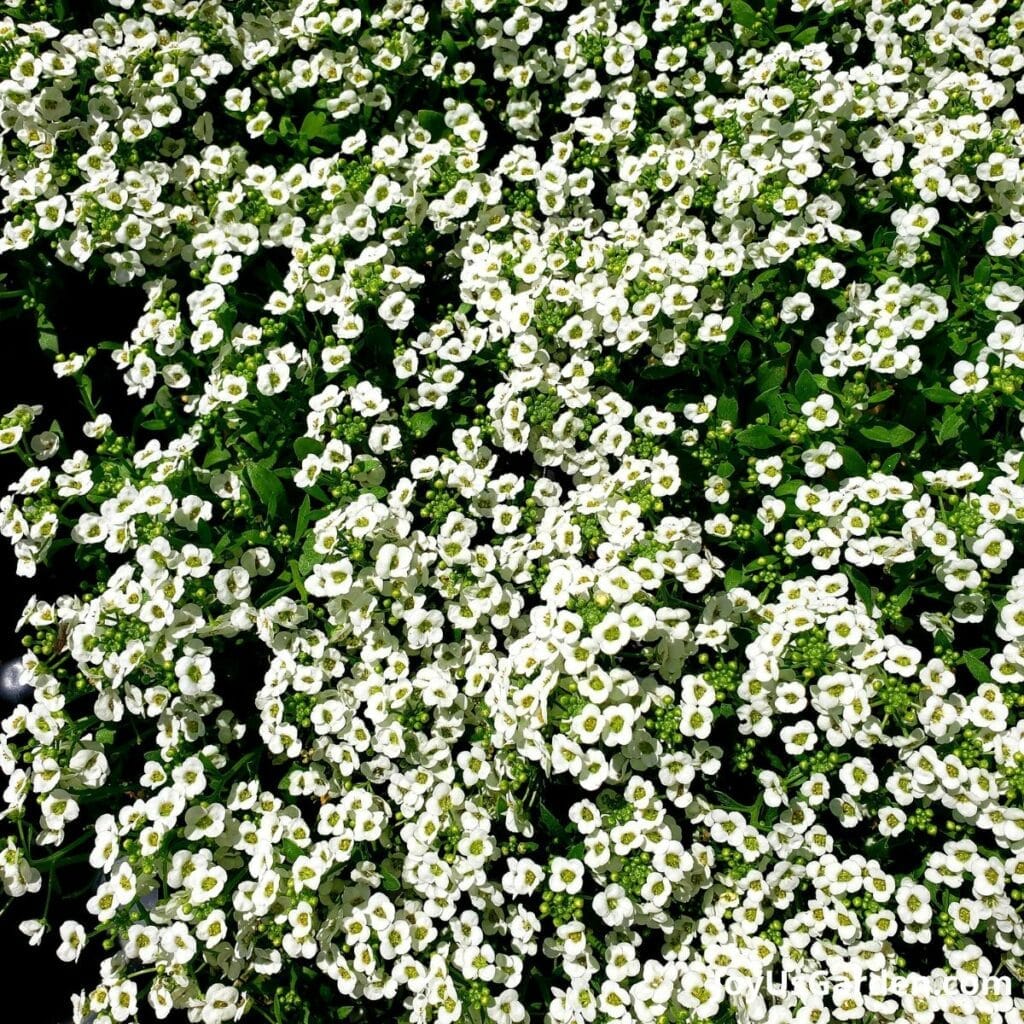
558, 559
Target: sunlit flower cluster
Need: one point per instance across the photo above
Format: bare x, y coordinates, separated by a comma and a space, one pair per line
564, 565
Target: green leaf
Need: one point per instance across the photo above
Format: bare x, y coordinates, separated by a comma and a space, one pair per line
315, 127
449, 45
940, 395
805, 360
734, 577
312, 124
329, 133
731, 803
728, 408
774, 403
659, 370
291, 849
853, 461
302, 519
433, 121
48, 341
269, 596
268, 488
976, 666
736, 314
860, 587
254, 439
951, 264
808, 35
892, 436
762, 283
214, 458
298, 578
309, 556
806, 387
47, 336
551, 823
421, 422
770, 376
951, 425
758, 436
391, 884
746, 328
743, 14
304, 446
163, 399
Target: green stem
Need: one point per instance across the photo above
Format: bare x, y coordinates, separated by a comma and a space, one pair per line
47, 863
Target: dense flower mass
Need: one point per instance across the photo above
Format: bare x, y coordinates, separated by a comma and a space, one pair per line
564, 564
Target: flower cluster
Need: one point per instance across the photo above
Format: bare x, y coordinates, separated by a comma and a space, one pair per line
562, 564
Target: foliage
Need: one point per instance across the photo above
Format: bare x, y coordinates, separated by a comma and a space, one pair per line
559, 563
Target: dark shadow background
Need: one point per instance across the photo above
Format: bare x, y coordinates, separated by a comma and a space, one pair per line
83, 313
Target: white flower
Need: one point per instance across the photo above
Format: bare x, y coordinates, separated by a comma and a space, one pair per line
221, 1003
72, 941
10, 436
820, 412
993, 548
1004, 297
1007, 240
918, 220
272, 378
698, 412
613, 905
913, 903
798, 738
695, 573
34, 929
618, 724
817, 460
769, 470
588, 723
397, 311
611, 634
825, 273
959, 574
971, 378
565, 875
